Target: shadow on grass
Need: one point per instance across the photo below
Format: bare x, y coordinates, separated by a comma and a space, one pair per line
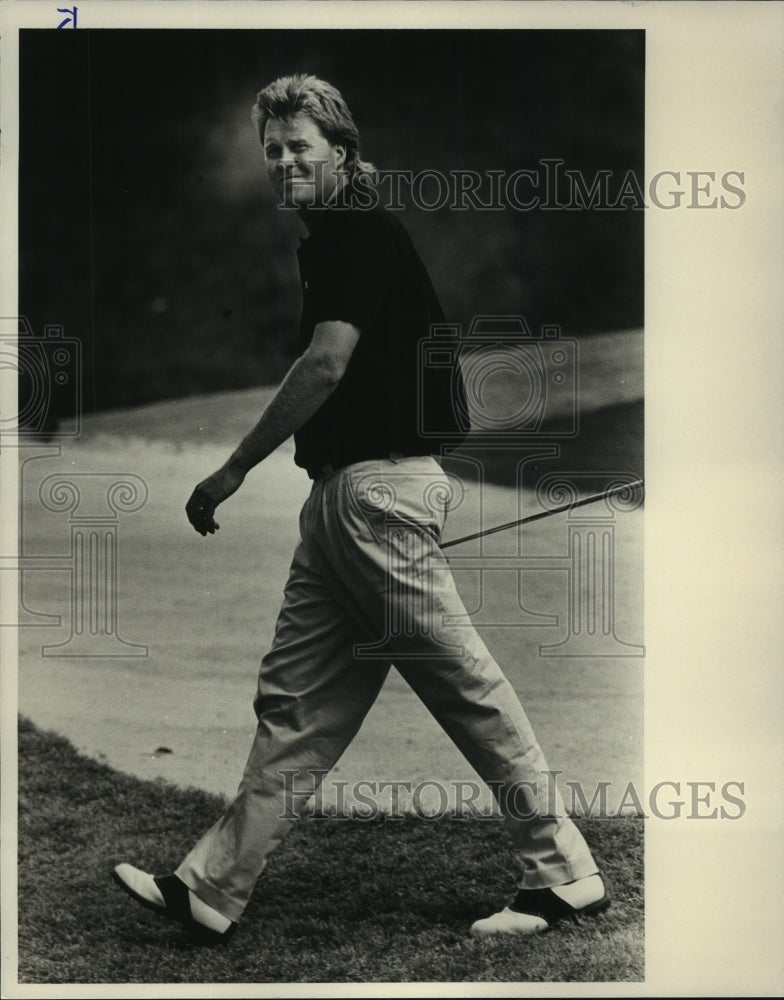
341, 901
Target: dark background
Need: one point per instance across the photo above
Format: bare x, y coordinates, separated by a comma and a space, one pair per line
148, 231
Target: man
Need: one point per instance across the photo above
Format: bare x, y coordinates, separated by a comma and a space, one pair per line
368, 584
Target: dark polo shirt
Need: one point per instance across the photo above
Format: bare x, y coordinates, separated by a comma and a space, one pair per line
361, 267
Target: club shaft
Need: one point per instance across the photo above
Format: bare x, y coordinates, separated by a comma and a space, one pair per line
545, 513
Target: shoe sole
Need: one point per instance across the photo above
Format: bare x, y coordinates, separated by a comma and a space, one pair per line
588, 911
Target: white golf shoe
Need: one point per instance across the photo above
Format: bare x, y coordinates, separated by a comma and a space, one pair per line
170, 897
537, 910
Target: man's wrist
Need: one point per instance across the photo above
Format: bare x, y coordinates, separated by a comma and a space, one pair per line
240, 462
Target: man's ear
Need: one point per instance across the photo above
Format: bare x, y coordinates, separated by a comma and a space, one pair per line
340, 154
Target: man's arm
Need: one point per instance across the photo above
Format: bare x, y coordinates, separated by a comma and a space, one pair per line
309, 382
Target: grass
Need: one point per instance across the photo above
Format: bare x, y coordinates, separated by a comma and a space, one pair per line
353, 901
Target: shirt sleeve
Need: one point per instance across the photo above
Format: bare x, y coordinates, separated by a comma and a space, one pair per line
351, 276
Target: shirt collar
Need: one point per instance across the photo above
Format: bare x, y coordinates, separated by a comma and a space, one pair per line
314, 218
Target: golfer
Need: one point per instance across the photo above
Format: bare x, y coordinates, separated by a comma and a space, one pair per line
368, 584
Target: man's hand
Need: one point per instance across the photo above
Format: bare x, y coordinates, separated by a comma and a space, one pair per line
208, 494
310, 380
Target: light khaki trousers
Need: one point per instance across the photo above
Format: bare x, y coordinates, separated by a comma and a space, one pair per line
369, 587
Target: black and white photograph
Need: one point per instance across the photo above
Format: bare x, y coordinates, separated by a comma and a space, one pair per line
389, 596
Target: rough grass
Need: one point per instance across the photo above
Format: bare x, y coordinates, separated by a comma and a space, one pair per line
342, 901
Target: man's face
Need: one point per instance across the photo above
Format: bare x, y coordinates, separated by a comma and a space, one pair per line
301, 164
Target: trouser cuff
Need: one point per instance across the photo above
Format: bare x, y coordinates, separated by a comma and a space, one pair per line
231, 908
546, 877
